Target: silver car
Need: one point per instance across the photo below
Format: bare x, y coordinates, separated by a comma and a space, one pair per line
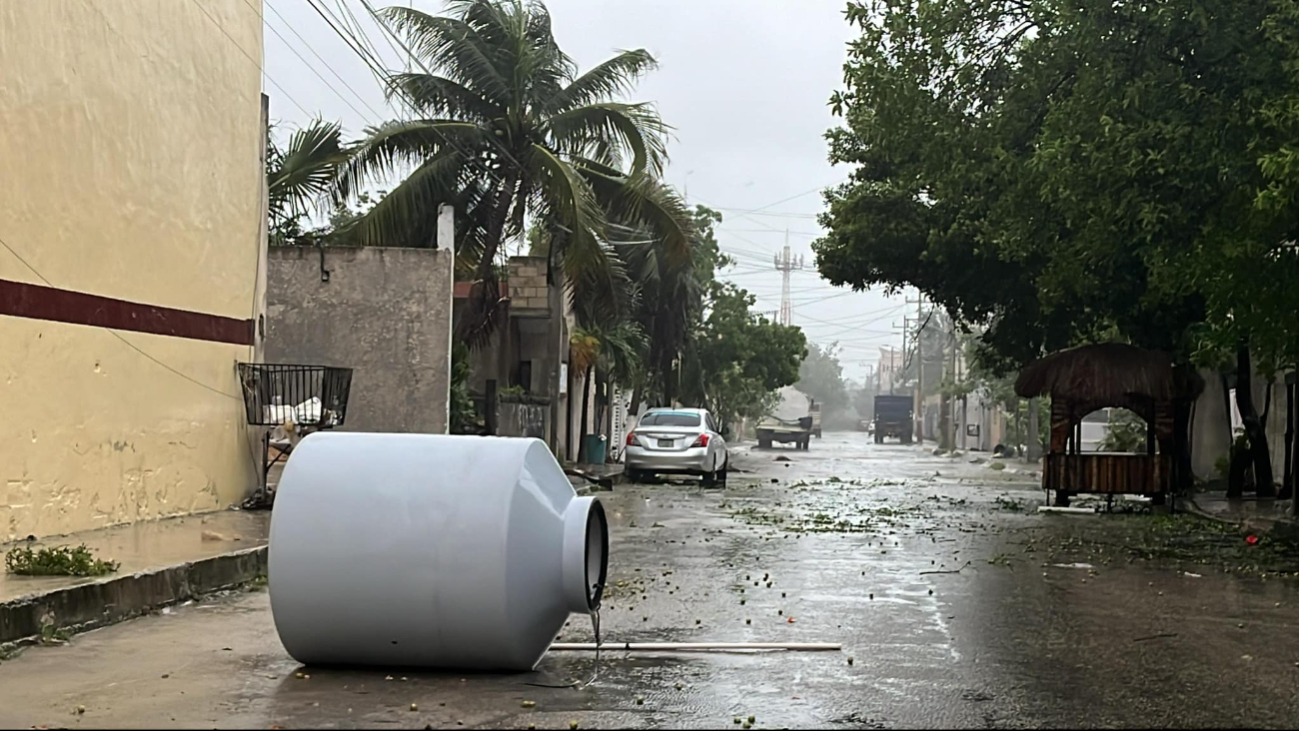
677, 441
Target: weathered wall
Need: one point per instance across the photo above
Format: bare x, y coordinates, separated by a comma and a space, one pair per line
386, 313
522, 417
131, 145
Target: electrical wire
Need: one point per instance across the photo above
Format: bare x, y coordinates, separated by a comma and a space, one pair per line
365, 36
249, 56
808, 234
322, 60
115, 334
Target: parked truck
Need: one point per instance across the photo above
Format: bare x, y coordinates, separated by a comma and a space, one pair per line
784, 431
893, 418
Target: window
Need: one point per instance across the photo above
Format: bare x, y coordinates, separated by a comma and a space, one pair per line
670, 418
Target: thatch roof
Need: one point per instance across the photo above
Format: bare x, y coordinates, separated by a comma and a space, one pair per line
1107, 373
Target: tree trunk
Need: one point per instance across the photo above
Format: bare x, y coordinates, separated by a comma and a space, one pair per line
1287, 475
1254, 428
582, 455
554, 350
944, 421
479, 319
637, 396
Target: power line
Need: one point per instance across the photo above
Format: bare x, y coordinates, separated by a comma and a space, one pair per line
420, 62
117, 335
374, 64
338, 76
256, 63
323, 80
366, 37
758, 212
808, 234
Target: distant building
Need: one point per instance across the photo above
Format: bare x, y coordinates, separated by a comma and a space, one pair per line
890, 371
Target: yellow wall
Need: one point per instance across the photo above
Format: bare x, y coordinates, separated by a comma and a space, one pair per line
130, 167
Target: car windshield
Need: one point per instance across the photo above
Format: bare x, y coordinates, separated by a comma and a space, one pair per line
670, 418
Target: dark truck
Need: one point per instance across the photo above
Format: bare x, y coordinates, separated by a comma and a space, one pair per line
893, 418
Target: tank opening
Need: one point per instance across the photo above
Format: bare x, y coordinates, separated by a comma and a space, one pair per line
597, 554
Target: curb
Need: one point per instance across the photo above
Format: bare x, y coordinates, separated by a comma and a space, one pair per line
114, 599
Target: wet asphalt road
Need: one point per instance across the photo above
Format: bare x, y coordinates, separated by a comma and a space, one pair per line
849, 535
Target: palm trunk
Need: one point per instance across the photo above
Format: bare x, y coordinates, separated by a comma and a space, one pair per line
637, 396
480, 316
586, 404
1254, 428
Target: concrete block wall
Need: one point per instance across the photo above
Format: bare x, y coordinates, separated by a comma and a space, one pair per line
527, 278
386, 313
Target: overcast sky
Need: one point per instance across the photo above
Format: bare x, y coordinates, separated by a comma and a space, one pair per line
744, 83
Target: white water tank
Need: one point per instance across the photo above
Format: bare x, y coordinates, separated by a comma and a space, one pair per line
430, 550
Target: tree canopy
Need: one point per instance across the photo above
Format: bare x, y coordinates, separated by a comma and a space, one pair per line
506, 128
821, 377
1071, 171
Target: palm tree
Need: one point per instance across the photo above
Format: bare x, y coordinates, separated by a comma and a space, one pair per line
505, 128
300, 174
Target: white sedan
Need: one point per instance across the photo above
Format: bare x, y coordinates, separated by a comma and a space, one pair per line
677, 441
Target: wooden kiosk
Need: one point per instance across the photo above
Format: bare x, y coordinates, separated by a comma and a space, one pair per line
1090, 377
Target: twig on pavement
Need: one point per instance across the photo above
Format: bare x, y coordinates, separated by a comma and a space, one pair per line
1160, 636
949, 571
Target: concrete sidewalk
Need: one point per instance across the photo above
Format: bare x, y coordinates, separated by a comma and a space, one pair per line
162, 562
1262, 514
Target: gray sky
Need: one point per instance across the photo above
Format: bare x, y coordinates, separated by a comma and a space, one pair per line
744, 82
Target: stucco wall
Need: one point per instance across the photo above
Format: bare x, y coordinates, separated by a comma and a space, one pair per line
386, 313
131, 142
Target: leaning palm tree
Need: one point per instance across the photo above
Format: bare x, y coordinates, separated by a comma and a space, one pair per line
505, 128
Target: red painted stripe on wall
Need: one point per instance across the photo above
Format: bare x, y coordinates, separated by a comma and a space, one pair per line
37, 302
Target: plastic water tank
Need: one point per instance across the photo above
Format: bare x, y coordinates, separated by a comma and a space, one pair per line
430, 550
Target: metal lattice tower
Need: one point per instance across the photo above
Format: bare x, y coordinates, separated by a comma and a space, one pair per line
786, 264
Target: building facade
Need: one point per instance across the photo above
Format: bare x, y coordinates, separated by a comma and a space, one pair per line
132, 215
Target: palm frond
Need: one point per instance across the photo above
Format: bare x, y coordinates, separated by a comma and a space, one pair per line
391, 148
603, 82
566, 200
303, 171
440, 97
407, 215
552, 69
643, 204
631, 127
459, 50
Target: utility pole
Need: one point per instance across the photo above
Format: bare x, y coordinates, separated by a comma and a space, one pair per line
920, 368
947, 412
785, 264
893, 365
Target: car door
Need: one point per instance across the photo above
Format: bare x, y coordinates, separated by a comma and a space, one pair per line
721, 456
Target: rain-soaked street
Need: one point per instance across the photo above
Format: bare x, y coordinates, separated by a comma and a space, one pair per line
956, 603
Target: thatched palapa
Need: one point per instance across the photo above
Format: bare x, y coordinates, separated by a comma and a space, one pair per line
1111, 373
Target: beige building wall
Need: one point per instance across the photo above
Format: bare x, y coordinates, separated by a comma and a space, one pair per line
131, 136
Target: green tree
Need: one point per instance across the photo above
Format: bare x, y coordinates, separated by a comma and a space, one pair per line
737, 359
1116, 169
821, 376
507, 128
